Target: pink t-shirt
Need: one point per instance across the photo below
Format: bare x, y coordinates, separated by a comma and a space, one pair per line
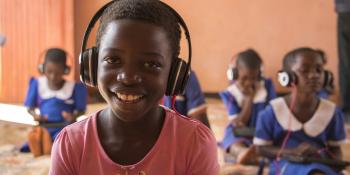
184, 147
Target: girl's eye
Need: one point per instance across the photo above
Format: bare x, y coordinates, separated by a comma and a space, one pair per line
153, 65
303, 70
112, 60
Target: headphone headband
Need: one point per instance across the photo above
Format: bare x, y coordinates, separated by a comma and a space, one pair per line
90, 26
92, 23
42, 61
179, 70
100, 12
186, 31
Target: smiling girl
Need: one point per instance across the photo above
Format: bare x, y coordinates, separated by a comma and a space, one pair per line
137, 42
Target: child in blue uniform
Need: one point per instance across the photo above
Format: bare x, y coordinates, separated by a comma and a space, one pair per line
244, 98
57, 99
192, 103
328, 89
300, 123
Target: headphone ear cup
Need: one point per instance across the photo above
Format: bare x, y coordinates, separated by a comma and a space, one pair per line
67, 70
41, 68
286, 79
328, 79
261, 75
88, 66
234, 73
229, 74
178, 76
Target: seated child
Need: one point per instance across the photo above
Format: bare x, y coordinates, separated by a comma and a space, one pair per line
57, 99
137, 44
248, 94
300, 124
192, 103
328, 87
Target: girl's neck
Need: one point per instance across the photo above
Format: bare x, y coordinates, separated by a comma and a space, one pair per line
305, 105
304, 99
151, 123
56, 86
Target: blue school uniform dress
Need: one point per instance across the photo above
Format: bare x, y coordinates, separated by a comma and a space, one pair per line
323, 93
192, 101
233, 99
325, 128
51, 103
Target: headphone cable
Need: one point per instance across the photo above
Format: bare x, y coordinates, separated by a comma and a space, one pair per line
173, 100
289, 131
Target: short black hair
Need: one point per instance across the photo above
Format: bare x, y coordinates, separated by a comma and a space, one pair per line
290, 58
249, 58
150, 11
56, 55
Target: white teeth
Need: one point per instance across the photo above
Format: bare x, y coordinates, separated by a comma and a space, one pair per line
129, 97
125, 97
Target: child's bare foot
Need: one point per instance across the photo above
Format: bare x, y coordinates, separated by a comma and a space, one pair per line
236, 149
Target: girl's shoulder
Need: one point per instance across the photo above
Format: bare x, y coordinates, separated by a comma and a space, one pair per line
72, 141
184, 127
78, 85
195, 142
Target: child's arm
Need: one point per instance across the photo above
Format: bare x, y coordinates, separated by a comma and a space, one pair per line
336, 152
72, 117
36, 117
272, 152
247, 105
31, 100
336, 135
80, 99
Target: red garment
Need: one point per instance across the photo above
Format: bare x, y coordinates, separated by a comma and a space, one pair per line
184, 147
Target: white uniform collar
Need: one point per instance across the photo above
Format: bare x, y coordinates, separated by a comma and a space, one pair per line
45, 92
315, 126
260, 95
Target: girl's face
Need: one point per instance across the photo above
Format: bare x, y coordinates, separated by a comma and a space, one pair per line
133, 67
54, 73
309, 70
247, 77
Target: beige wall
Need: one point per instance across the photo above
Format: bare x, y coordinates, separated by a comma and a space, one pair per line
219, 29
31, 27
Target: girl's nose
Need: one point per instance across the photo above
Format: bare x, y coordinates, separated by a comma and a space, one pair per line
129, 78
315, 74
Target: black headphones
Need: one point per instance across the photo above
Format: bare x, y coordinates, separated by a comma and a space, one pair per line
287, 78
179, 71
41, 66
